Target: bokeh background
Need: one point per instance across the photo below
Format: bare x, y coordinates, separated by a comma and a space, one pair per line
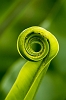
15, 16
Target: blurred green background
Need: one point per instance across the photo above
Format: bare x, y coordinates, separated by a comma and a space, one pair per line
15, 16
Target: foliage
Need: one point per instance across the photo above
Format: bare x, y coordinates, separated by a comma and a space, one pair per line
17, 15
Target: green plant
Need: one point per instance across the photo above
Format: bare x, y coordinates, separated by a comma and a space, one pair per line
39, 47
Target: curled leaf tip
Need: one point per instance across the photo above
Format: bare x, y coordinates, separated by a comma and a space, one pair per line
39, 47
35, 43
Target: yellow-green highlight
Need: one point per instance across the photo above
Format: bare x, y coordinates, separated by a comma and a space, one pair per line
31, 74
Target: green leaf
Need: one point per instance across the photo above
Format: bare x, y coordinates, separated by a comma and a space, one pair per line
39, 47
13, 20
